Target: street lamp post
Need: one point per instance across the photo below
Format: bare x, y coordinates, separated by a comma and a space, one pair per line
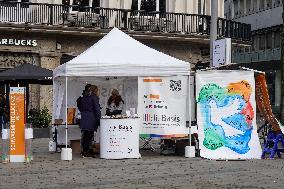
282, 72
213, 27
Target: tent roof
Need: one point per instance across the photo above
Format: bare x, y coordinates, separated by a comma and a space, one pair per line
118, 54
27, 72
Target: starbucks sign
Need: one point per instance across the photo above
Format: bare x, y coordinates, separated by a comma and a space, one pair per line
19, 42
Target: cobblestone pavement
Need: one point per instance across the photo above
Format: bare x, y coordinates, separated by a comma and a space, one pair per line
151, 171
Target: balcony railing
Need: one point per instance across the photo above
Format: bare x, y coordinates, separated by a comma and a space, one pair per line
258, 56
104, 18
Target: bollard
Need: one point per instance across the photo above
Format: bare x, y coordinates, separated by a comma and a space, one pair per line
5, 143
28, 142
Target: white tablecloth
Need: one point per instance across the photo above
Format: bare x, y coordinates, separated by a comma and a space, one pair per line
119, 138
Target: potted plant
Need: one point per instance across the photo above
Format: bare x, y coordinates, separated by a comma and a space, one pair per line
40, 120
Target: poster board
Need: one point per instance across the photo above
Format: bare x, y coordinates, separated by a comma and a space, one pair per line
162, 105
226, 115
222, 52
119, 138
17, 124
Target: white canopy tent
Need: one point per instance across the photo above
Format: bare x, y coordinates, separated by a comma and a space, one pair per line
115, 61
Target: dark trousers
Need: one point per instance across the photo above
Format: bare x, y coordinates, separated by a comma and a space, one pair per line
86, 140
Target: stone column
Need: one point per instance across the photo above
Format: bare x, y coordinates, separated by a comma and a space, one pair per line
48, 61
258, 5
278, 88
239, 8
245, 8
208, 7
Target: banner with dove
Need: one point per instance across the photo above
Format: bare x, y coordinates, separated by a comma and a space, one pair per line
226, 115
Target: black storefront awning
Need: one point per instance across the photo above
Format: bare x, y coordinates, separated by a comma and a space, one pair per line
27, 73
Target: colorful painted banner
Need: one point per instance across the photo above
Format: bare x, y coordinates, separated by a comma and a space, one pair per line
162, 105
226, 115
17, 124
263, 102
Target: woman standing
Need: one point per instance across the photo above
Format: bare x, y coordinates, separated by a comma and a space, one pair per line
114, 104
90, 118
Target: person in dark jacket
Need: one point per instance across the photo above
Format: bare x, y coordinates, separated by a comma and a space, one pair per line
80, 97
90, 118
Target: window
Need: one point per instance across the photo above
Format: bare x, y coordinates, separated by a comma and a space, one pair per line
277, 3
268, 4
81, 4
96, 3
236, 10
14, 3
262, 42
268, 40
261, 5
277, 39
248, 5
149, 5
242, 8
66, 2
254, 4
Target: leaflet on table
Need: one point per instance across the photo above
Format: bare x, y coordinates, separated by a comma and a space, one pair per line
119, 117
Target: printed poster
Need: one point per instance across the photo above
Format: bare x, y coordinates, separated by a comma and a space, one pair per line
226, 115
17, 124
119, 138
162, 105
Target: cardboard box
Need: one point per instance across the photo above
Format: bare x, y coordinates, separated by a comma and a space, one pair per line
76, 146
71, 115
96, 147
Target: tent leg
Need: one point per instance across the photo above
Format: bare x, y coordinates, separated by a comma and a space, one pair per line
66, 115
189, 110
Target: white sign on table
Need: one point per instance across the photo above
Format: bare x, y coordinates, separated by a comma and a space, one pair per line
119, 138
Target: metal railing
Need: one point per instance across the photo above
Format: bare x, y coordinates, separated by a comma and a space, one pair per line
257, 56
103, 18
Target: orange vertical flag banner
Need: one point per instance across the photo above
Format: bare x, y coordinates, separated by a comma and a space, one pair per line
17, 124
263, 102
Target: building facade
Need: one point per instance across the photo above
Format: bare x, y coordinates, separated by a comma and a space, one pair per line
265, 18
52, 32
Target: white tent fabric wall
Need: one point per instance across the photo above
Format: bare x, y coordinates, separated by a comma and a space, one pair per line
119, 56
127, 87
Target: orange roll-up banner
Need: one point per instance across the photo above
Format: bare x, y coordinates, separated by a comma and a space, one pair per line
263, 102
17, 124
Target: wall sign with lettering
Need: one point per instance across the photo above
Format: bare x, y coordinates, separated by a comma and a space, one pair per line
19, 42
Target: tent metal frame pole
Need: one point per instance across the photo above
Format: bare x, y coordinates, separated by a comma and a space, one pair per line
189, 110
66, 111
